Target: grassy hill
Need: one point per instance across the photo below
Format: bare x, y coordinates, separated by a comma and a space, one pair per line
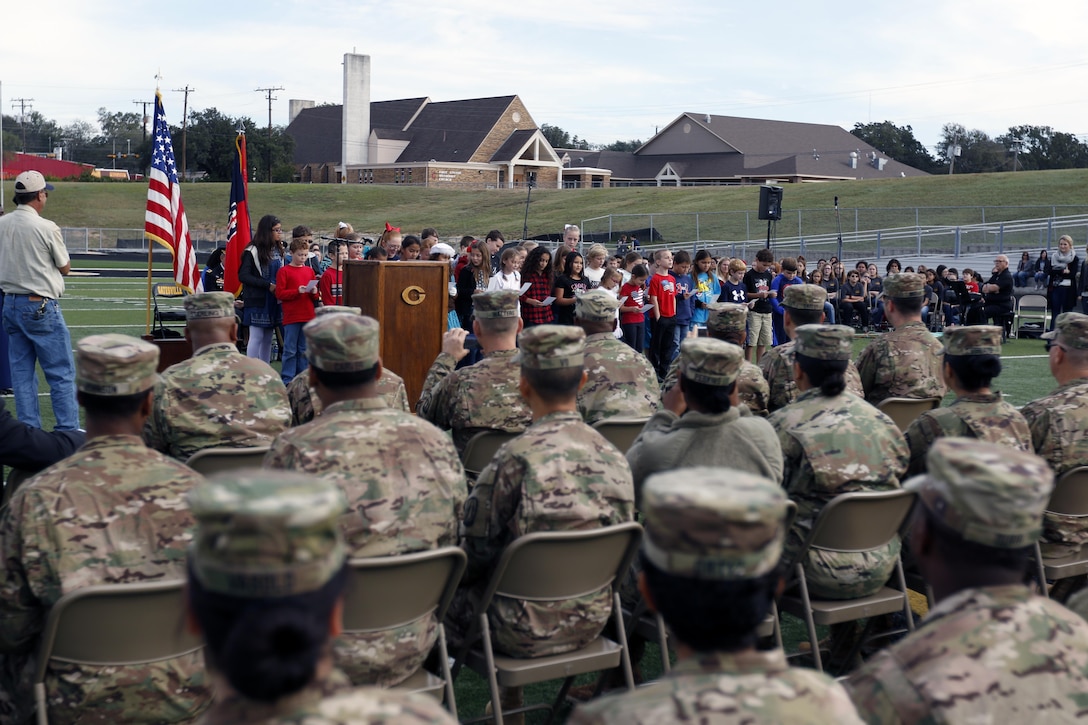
454, 212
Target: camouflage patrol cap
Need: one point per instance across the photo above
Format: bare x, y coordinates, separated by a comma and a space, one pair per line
904, 284
337, 309
1071, 328
725, 317
804, 297
596, 305
262, 533
551, 347
712, 524
115, 365
342, 343
500, 303
824, 342
972, 340
209, 306
709, 361
989, 494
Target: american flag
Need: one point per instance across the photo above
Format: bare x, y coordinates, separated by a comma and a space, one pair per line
165, 221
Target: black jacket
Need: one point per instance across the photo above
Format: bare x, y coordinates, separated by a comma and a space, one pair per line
32, 449
254, 285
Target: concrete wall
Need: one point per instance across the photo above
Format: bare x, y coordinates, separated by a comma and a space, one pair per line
295, 107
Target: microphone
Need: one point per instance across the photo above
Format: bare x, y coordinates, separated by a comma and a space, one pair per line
334, 239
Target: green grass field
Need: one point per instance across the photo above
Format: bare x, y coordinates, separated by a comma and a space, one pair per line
95, 305
881, 204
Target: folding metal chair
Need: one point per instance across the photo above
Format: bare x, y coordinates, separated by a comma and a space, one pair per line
852, 522
163, 315
481, 448
1031, 307
114, 624
1070, 498
551, 566
904, 411
621, 432
387, 592
217, 460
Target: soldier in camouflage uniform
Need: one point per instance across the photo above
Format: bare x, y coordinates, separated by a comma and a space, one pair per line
403, 479
833, 442
906, 362
304, 403
483, 396
702, 423
111, 513
1059, 425
990, 651
711, 568
267, 565
622, 382
560, 475
218, 397
803, 305
729, 322
972, 357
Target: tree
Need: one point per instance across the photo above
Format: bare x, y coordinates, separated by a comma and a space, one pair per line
1041, 147
210, 146
560, 139
41, 134
896, 142
625, 146
978, 152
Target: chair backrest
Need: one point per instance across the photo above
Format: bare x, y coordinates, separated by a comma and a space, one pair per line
903, 411
216, 460
1070, 495
117, 624
558, 565
621, 432
386, 592
1033, 302
861, 521
482, 447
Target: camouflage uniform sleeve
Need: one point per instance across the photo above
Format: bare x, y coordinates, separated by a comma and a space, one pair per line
866, 366
400, 400
671, 376
155, 429
1038, 418
432, 401
883, 695
280, 456
920, 436
26, 565
486, 516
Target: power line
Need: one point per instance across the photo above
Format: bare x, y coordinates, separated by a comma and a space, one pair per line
184, 123
23, 103
270, 99
144, 104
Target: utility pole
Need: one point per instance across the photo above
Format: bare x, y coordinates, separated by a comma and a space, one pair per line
270, 99
144, 104
23, 103
184, 123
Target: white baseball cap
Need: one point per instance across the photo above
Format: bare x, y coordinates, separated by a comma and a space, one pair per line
30, 181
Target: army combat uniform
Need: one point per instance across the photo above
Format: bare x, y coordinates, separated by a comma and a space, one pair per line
906, 362
479, 397
1059, 433
989, 653
560, 475
984, 416
265, 536
621, 382
832, 446
218, 397
404, 484
111, 513
713, 525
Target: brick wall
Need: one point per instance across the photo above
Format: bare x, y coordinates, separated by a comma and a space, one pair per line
501, 131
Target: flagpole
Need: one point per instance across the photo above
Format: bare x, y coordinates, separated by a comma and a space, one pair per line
148, 240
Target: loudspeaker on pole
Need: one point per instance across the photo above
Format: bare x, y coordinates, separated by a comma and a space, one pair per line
770, 203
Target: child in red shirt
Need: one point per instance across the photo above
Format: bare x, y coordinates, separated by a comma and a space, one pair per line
332, 281
298, 308
664, 340
632, 319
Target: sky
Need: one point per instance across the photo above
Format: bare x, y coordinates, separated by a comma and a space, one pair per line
604, 70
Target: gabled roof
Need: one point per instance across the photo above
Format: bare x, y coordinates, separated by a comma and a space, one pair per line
513, 145
317, 130
453, 130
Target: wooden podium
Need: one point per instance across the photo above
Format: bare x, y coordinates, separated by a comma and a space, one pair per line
408, 299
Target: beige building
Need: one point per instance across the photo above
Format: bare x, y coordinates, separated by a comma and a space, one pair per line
474, 143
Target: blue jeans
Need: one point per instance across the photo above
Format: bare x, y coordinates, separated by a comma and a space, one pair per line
294, 351
37, 334
829, 313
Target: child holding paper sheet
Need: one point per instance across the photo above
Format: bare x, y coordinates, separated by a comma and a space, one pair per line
296, 288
